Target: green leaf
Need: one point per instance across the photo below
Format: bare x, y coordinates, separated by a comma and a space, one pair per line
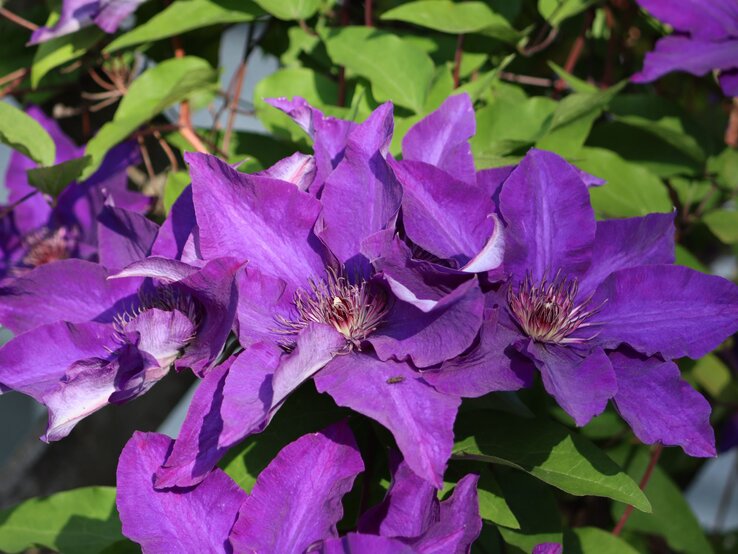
492, 503
83, 521
686, 258
575, 83
581, 104
304, 412
61, 50
549, 452
52, 180
176, 182
316, 88
671, 516
630, 190
290, 9
591, 540
724, 225
24, 134
539, 521
151, 93
397, 70
454, 18
670, 130
185, 15
715, 378
556, 11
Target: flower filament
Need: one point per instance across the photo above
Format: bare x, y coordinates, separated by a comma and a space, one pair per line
548, 312
353, 309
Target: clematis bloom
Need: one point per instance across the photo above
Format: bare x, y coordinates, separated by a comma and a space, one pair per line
113, 338
598, 308
706, 39
315, 303
34, 233
294, 506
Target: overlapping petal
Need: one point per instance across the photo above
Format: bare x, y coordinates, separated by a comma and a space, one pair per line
420, 418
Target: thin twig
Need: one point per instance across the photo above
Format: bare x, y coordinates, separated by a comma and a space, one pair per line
526, 79
368, 13
457, 59
18, 20
236, 86
576, 50
14, 75
528, 51
655, 455
146, 158
167, 150
185, 116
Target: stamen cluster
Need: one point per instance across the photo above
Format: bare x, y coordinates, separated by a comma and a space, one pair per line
354, 310
47, 246
548, 312
166, 299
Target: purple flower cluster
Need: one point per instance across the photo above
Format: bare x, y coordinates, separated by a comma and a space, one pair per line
705, 39
398, 287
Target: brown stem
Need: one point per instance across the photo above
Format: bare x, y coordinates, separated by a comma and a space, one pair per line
167, 150
185, 116
233, 106
576, 49
146, 158
537, 46
18, 20
526, 79
15, 75
655, 455
731, 133
368, 13
457, 59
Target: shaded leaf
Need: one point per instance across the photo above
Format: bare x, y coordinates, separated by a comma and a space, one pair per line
549, 452
83, 521
54, 179
539, 520
556, 11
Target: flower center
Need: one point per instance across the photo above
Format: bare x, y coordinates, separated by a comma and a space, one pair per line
166, 322
47, 246
354, 310
548, 312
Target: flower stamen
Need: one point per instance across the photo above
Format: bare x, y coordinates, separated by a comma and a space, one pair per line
549, 312
354, 310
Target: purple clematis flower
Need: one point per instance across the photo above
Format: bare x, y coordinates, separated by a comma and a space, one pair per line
313, 302
706, 39
598, 308
294, 506
35, 233
113, 339
77, 14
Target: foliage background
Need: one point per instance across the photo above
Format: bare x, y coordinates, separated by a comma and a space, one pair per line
546, 73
